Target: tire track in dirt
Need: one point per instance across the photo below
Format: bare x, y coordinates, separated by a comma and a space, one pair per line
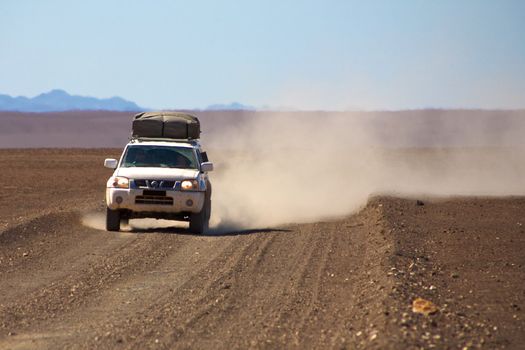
222, 275
184, 309
314, 304
239, 294
133, 282
255, 296
135, 301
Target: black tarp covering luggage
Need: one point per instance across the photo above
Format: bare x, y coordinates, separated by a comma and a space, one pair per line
173, 125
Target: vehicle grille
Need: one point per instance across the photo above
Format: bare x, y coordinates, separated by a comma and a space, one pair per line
160, 200
154, 183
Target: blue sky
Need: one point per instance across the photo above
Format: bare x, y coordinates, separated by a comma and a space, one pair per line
300, 54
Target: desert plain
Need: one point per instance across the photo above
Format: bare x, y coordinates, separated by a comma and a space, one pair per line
342, 276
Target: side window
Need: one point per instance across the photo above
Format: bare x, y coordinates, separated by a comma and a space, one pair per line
204, 157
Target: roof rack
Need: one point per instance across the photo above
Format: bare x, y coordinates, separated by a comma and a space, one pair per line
163, 139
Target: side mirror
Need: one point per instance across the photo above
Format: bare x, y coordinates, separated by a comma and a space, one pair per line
111, 163
206, 166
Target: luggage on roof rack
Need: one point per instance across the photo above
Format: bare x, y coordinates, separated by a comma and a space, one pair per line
164, 124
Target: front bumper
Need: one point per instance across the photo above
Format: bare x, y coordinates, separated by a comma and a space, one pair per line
173, 201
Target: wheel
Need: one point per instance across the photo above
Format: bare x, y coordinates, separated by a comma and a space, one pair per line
199, 222
112, 220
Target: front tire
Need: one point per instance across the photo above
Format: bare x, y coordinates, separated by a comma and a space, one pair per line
199, 222
112, 220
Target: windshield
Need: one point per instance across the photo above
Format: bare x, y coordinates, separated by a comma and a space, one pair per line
159, 157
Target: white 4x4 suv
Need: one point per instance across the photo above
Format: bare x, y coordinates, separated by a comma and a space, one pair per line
160, 179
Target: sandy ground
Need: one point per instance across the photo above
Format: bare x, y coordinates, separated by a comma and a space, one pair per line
346, 283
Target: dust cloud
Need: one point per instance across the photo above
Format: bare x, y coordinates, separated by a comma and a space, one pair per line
97, 220
94, 220
280, 168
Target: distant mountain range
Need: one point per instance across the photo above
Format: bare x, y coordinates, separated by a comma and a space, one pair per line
59, 100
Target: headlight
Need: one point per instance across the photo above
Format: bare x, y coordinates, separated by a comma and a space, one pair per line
118, 182
189, 185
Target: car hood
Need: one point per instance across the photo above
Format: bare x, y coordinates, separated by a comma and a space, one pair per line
157, 173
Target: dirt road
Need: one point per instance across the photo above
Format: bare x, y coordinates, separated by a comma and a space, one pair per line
346, 283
